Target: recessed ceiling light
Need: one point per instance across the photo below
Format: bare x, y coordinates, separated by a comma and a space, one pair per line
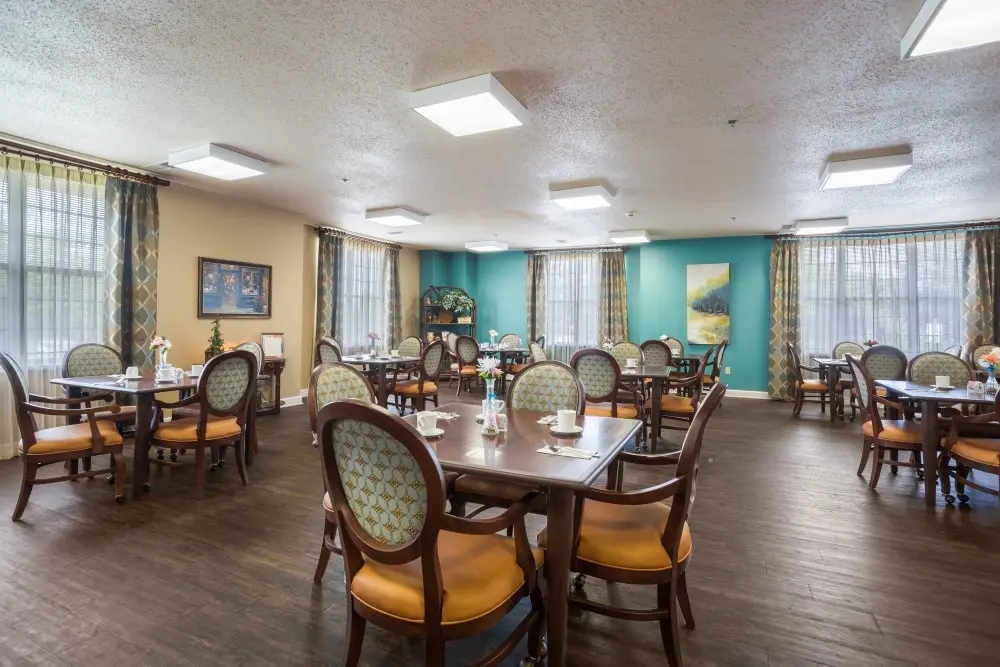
580, 199
946, 25
486, 246
469, 106
818, 227
866, 171
218, 162
630, 236
394, 217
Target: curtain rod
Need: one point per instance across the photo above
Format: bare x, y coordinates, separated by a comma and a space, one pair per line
885, 232
333, 231
52, 157
559, 251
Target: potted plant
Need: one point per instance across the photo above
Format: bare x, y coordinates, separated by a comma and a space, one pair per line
454, 302
215, 341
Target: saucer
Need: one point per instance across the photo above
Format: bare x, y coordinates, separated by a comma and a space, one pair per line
575, 430
942, 388
432, 433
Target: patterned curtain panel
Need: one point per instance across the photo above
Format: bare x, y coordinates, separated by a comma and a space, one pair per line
536, 297
133, 238
331, 248
393, 302
981, 286
613, 312
784, 318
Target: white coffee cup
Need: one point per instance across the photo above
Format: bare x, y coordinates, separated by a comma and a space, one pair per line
631, 363
502, 422
565, 420
196, 369
942, 380
132, 372
427, 422
164, 373
393, 353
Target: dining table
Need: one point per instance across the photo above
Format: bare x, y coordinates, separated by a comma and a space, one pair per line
830, 370
658, 374
930, 401
380, 366
513, 456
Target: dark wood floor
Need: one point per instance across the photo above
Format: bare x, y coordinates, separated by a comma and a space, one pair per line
795, 563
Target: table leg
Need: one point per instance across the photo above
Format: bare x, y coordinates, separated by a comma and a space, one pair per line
383, 398
654, 414
831, 388
74, 392
251, 440
930, 441
558, 557
140, 455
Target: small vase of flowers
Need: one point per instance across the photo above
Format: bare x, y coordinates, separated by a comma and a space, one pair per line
871, 342
493, 334
373, 339
489, 369
161, 345
988, 362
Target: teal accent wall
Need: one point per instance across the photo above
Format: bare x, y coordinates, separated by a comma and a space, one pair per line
656, 274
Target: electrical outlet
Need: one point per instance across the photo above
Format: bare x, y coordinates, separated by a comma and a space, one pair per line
728, 370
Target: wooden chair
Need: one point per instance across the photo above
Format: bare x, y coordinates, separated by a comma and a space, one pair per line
679, 409
602, 383
327, 350
411, 346
642, 537
330, 382
880, 435
840, 351
805, 387
40, 447
224, 396
510, 340
657, 353
536, 353
973, 443
884, 362
412, 569
424, 386
467, 356
717, 364
626, 350
924, 368
675, 345
955, 350
93, 359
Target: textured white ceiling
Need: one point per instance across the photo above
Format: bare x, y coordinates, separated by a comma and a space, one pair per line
635, 93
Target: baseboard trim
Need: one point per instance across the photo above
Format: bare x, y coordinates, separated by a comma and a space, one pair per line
746, 393
293, 400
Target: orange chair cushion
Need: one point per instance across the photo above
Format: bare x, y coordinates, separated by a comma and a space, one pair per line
626, 411
186, 429
626, 536
896, 431
468, 371
72, 438
673, 403
516, 368
126, 413
412, 388
980, 450
811, 385
479, 573
491, 488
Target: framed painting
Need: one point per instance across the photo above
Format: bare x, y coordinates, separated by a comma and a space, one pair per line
233, 289
707, 303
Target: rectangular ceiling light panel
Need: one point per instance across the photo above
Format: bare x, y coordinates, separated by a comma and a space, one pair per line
630, 236
581, 199
819, 227
947, 25
217, 162
866, 171
486, 246
395, 217
470, 106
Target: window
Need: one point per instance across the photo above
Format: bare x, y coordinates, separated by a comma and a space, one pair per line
906, 291
572, 303
362, 295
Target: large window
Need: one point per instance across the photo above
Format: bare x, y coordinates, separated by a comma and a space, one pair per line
363, 295
572, 303
906, 291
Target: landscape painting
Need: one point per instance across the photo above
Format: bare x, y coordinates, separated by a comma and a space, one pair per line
707, 303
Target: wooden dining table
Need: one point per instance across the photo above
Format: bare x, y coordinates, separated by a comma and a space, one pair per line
830, 370
381, 366
513, 456
657, 374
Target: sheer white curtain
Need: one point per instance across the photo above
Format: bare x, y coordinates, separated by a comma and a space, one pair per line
903, 290
572, 303
52, 249
363, 291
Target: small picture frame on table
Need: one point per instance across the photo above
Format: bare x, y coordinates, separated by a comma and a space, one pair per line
273, 345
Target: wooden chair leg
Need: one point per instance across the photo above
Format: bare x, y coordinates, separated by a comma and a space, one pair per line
329, 532
866, 449
669, 629
536, 631
822, 404
355, 628
241, 464
434, 650
28, 471
199, 471
876, 466
944, 476
119, 476
683, 601
894, 455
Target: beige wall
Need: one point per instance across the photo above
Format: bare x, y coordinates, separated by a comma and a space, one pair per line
196, 224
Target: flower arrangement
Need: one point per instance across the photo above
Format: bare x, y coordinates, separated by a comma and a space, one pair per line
374, 337
494, 333
990, 360
160, 343
488, 368
871, 342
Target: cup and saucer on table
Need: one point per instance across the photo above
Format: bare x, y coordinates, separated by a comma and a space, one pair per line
942, 383
565, 423
195, 371
131, 373
427, 425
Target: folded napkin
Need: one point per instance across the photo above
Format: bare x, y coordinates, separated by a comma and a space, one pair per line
549, 419
568, 451
447, 416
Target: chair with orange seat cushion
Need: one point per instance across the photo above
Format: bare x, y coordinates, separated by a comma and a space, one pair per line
424, 386
716, 365
39, 447
467, 356
602, 383
225, 395
410, 568
327, 350
679, 409
804, 387
973, 443
642, 537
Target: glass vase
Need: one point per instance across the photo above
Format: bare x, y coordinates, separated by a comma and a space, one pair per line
490, 420
161, 358
991, 382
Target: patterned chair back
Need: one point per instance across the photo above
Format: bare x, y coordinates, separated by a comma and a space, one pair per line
449, 340
845, 347
327, 350
430, 360
410, 346
546, 386
255, 349
675, 345
884, 362
627, 350
719, 360
864, 388
599, 373
510, 341
657, 353
541, 342
537, 352
977, 352
466, 350
369, 453
90, 359
925, 367
226, 385
796, 363
336, 381
954, 349
19, 388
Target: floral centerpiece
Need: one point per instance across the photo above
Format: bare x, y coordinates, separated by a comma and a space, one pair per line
493, 334
988, 362
871, 342
373, 339
161, 345
489, 369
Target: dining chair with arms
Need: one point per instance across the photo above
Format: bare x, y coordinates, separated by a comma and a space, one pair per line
225, 394
424, 386
675, 345
925, 367
536, 353
510, 340
330, 382
804, 387
467, 355
411, 346
840, 351
657, 353
973, 352
717, 364
40, 447
884, 362
679, 409
327, 350
642, 537
973, 443
602, 383
411, 568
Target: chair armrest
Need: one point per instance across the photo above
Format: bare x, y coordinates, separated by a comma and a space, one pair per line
512, 515
691, 379
38, 398
813, 369
193, 398
72, 412
653, 494
889, 404
670, 458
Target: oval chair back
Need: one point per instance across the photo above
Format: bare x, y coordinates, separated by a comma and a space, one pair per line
411, 346
954, 349
846, 347
924, 368
327, 351
429, 366
467, 351
537, 352
91, 359
336, 381
600, 374
976, 352
627, 350
717, 362
19, 388
546, 386
864, 388
225, 387
449, 340
510, 341
541, 342
796, 362
884, 362
254, 348
657, 353
675, 345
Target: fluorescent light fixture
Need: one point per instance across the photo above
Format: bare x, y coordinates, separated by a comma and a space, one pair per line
866, 171
819, 227
630, 236
470, 106
486, 246
947, 25
218, 162
581, 199
394, 217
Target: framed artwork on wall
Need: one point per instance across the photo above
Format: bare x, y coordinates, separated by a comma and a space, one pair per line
233, 289
707, 303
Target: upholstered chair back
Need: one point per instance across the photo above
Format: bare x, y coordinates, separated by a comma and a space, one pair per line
599, 373
510, 341
847, 347
327, 350
226, 384
978, 351
430, 359
336, 381
537, 352
627, 350
884, 362
925, 367
657, 353
255, 349
675, 345
467, 350
410, 346
90, 359
546, 386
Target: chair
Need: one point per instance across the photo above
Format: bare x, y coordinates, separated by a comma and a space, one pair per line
601, 377
327, 350
536, 353
924, 368
657, 353
974, 444
805, 387
411, 346
224, 399
626, 350
93, 359
541, 342
840, 351
467, 356
884, 362
424, 386
882, 435
510, 341
39, 447
675, 345
640, 538
681, 408
410, 568
717, 364
329, 382
973, 353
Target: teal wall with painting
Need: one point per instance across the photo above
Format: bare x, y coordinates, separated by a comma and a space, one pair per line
656, 274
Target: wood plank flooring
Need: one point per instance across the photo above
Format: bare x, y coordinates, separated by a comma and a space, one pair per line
795, 563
